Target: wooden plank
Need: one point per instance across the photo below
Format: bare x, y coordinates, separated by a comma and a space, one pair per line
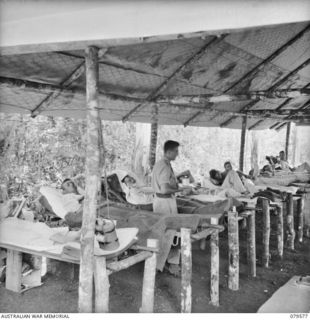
280, 230
92, 174
215, 270
266, 232
126, 263
148, 288
186, 256
102, 285
233, 250
242, 143
13, 280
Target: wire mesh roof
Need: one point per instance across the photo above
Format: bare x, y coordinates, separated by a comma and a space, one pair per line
133, 77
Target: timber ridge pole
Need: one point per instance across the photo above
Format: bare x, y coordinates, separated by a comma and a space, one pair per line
242, 143
196, 56
92, 173
262, 64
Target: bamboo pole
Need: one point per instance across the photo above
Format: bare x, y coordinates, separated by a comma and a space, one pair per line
280, 232
102, 285
300, 213
233, 248
148, 289
215, 269
92, 183
287, 140
290, 222
242, 143
266, 232
186, 257
251, 244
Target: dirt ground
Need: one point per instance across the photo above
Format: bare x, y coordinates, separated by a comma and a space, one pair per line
59, 294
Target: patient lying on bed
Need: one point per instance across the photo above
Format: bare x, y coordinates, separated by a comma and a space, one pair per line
136, 194
231, 182
67, 204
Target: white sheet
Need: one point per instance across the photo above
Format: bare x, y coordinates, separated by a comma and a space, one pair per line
29, 235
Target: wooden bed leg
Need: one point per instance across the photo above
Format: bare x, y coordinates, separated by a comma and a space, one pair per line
266, 232
233, 248
102, 285
186, 256
280, 232
148, 288
290, 222
215, 269
300, 212
14, 262
251, 244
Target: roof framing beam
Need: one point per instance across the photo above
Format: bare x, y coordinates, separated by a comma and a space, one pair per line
51, 88
261, 65
267, 60
275, 54
76, 74
195, 57
254, 95
273, 87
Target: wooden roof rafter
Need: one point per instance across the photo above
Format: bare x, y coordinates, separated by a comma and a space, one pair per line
260, 67
175, 74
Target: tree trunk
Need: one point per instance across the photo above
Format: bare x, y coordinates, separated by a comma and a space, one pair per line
140, 163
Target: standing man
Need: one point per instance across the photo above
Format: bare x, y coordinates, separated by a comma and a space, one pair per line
164, 181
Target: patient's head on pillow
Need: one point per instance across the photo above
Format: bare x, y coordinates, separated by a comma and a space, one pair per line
129, 181
68, 186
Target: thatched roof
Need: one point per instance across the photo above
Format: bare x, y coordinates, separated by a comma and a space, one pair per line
197, 80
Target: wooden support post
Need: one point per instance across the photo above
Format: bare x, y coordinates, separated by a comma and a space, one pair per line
148, 289
215, 269
233, 248
290, 231
186, 256
300, 213
92, 174
102, 285
287, 140
153, 144
266, 232
242, 142
251, 244
280, 231
13, 280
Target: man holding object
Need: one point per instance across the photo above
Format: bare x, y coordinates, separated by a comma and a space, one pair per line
164, 181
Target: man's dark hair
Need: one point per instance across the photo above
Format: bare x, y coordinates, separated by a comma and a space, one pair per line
213, 173
123, 180
170, 145
66, 180
282, 152
69, 180
227, 162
